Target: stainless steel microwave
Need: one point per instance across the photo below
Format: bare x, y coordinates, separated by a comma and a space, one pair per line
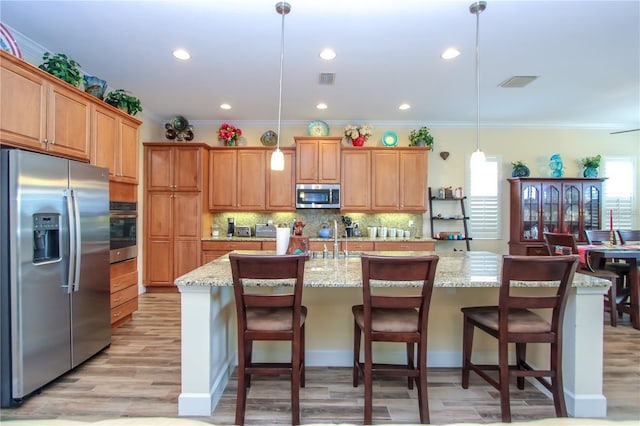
317, 196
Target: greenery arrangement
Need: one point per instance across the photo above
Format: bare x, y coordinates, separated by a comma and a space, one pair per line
591, 161
421, 137
124, 100
520, 169
59, 65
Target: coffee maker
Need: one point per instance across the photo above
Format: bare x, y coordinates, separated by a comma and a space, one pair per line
231, 225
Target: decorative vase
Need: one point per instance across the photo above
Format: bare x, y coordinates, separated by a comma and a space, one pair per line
591, 172
95, 86
520, 171
359, 141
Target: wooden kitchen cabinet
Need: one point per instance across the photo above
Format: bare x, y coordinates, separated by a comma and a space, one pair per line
175, 211
46, 114
281, 185
356, 180
212, 250
124, 291
564, 205
405, 245
384, 179
241, 179
115, 143
317, 159
237, 179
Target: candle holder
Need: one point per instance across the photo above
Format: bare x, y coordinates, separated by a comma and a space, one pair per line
612, 239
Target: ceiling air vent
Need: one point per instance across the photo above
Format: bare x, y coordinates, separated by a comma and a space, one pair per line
327, 78
518, 81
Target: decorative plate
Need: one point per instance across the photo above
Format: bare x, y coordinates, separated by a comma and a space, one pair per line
390, 138
8, 43
179, 123
269, 138
318, 128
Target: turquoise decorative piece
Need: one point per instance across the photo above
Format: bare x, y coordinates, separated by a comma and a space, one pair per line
591, 172
556, 166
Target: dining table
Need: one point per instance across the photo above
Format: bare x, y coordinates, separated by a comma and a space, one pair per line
629, 254
333, 285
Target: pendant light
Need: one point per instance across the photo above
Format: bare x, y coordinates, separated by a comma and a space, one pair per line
477, 8
277, 157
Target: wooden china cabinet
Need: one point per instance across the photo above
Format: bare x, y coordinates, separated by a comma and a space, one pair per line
564, 205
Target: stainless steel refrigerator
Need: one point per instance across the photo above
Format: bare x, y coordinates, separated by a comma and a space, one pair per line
54, 268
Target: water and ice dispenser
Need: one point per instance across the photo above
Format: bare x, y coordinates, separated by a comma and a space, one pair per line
46, 237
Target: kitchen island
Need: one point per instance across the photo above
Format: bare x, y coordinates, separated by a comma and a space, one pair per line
332, 286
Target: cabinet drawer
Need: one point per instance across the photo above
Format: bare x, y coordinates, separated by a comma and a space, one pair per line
122, 296
357, 245
404, 245
231, 245
269, 245
537, 251
123, 274
123, 310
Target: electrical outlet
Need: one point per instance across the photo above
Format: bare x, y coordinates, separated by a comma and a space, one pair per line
410, 223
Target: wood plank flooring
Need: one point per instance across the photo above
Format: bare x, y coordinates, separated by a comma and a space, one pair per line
139, 375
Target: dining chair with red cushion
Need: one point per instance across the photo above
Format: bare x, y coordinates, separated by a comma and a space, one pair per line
515, 320
566, 244
400, 319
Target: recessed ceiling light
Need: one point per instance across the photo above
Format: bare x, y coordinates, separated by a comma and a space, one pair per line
181, 54
225, 106
321, 105
450, 53
328, 54
403, 107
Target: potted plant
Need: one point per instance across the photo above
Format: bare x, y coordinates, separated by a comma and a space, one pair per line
421, 137
124, 100
59, 65
591, 165
520, 169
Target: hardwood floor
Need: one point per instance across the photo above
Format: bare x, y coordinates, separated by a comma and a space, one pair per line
139, 375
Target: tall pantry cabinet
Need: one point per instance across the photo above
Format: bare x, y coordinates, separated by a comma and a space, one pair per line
175, 177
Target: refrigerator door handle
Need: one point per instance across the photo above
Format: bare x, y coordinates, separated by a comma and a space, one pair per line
77, 241
72, 239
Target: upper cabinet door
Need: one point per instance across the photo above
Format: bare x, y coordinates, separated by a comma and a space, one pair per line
317, 159
127, 153
281, 185
413, 180
68, 123
251, 180
384, 180
105, 139
222, 179
356, 180
158, 168
187, 169
24, 101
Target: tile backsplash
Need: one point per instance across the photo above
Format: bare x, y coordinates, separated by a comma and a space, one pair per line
315, 218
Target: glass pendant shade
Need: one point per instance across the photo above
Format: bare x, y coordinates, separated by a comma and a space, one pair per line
277, 160
477, 157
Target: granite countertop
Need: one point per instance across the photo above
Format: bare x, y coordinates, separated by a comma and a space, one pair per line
354, 239
454, 270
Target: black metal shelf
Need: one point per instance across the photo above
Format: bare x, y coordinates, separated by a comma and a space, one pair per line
462, 219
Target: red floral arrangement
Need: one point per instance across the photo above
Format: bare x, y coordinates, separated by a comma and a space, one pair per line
229, 134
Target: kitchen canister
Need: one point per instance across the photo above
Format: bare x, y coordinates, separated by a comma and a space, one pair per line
372, 231
392, 232
382, 231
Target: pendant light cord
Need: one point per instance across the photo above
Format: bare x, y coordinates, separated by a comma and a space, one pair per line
478, 10
282, 8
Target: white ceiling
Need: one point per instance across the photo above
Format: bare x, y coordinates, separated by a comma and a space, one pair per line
586, 54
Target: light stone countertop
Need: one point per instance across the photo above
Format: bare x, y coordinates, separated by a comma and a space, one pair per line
329, 240
455, 269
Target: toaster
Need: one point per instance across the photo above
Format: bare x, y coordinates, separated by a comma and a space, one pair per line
243, 231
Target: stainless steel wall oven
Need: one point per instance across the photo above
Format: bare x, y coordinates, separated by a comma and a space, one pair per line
123, 240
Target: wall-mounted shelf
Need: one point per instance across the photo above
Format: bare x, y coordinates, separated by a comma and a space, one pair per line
436, 220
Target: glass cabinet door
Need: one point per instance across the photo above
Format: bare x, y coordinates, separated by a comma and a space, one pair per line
530, 199
571, 209
592, 200
550, 209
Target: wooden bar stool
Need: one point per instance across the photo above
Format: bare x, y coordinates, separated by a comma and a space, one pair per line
269, 317
513, 321
401, 319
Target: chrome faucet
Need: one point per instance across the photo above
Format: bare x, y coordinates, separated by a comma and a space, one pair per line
336, 247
